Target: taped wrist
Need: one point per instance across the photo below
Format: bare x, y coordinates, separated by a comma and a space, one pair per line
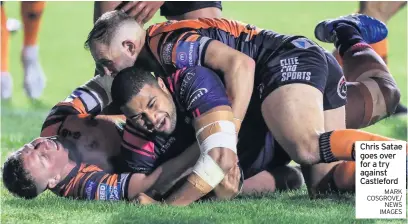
208, 174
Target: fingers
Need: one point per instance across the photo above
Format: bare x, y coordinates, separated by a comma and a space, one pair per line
149, 16
125, 6
141, 16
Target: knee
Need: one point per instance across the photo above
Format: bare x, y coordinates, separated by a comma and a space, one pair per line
306, 150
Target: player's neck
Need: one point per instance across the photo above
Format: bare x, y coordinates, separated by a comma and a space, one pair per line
67, 169
147, 61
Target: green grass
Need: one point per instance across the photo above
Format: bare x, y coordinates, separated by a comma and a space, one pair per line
67, 65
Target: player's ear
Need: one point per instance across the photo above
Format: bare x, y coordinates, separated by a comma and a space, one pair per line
130, 47
52, 182
162, 85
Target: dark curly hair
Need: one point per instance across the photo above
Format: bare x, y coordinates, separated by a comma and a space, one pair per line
17, 180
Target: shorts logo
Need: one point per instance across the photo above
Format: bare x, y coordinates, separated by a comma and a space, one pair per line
342, 88
261, 88
196, 95
288, 70
301, 43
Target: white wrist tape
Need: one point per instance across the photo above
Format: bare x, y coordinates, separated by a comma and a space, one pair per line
219, 140
208, 170
225, 138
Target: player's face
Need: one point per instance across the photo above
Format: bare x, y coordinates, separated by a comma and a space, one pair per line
44, 159
111, 60
152, 110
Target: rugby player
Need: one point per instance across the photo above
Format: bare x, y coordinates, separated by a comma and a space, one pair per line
292, 74
62, 164
143, 11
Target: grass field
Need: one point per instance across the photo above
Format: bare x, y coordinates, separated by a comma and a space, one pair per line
67, 65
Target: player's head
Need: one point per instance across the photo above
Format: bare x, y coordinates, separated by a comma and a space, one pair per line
35, 167
115, 42
145, 101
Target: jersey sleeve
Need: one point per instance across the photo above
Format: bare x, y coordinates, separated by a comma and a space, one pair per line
199, 89
88, 99
137, 151
190, 50
91, 183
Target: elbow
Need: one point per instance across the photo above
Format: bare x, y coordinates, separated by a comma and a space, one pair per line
225, 158
245, 63
250, 63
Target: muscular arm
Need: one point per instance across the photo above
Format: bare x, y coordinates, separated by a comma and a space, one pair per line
202, 93
239, 73
211, 167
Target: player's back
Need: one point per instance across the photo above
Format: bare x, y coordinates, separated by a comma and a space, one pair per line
248, 39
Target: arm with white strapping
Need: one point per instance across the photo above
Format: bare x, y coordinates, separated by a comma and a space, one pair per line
217, 140
216, 135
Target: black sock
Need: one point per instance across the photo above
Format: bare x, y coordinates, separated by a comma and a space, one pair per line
347, 36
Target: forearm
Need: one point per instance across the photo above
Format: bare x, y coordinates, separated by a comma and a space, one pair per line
239, 80
173, 170
208, 172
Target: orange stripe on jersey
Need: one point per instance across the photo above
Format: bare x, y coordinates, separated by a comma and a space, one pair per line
235, 28
73, 182
76, 104
91, 168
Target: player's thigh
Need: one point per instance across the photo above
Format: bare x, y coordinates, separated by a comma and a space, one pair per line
191, 10
293, 89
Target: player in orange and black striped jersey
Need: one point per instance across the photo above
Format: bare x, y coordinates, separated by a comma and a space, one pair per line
82, 139
78, 155
54, 163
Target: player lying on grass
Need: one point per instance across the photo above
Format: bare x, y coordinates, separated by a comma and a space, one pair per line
292, 74
62, 164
